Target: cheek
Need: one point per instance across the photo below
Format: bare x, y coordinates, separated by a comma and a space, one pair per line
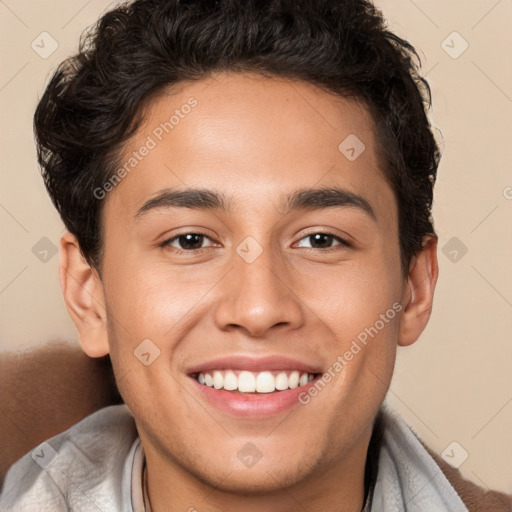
150, 299
354, 295
151, 309
359, 309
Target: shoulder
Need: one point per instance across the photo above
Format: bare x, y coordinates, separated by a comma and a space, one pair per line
476, 498
82, 468
424, 480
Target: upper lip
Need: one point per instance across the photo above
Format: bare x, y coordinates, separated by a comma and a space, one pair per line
254, 364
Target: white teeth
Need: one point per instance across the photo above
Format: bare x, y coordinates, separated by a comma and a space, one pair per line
266, 382
293, 380
218, 380
249, 382
281, 381
246, 382
303, 379
230, 381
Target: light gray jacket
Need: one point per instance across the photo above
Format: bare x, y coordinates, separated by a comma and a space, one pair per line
96, 466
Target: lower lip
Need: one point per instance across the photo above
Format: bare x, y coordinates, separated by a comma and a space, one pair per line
253, 406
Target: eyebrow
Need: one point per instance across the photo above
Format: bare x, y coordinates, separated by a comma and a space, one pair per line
302, 199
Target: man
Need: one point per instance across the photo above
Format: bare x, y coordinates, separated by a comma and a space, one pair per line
247, 188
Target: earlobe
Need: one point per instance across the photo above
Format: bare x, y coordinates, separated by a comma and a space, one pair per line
83, 293
419, 292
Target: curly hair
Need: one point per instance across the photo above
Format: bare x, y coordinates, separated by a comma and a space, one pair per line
95, 100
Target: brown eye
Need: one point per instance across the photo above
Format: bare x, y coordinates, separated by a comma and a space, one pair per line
186, 242
190, 241
323, 241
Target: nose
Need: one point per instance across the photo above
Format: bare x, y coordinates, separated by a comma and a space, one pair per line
257, 296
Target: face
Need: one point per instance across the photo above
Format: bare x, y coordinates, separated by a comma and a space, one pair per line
255, 280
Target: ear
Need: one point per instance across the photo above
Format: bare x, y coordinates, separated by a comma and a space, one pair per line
419, 292
84, 297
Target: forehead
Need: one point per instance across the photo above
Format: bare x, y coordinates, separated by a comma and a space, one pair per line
252, 138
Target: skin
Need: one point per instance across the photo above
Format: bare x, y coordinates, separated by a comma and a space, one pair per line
252, 138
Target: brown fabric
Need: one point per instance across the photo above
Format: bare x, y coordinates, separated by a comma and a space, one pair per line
476, 498
46, 390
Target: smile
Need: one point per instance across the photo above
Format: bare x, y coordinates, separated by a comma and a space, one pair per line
254, 382
247, 387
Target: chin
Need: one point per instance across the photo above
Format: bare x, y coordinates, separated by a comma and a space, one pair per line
264, 481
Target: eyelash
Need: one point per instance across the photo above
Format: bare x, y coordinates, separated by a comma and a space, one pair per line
167, 243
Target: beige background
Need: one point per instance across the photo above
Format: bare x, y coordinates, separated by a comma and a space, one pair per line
455, 384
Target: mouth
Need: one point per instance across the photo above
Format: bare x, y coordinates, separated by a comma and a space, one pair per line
243, 386
248, 382
252, 388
